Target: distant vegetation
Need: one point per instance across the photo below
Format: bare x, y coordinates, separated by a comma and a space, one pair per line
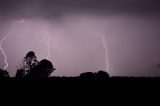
31, 68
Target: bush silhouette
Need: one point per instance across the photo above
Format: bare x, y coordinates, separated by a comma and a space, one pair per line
4, 74
100, 75
20, 73
87, 75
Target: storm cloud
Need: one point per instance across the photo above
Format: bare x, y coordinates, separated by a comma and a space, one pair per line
130, 27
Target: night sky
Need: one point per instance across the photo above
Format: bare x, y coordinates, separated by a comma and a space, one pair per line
131, 29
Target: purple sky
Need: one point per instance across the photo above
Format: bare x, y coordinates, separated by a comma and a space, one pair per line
131, 31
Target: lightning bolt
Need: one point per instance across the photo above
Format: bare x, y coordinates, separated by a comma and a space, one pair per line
48, 47
104, 42
1, 43
1, 48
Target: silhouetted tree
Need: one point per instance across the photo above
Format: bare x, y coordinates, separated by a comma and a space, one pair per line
32, 68
4, 74
43, 69
30, 61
